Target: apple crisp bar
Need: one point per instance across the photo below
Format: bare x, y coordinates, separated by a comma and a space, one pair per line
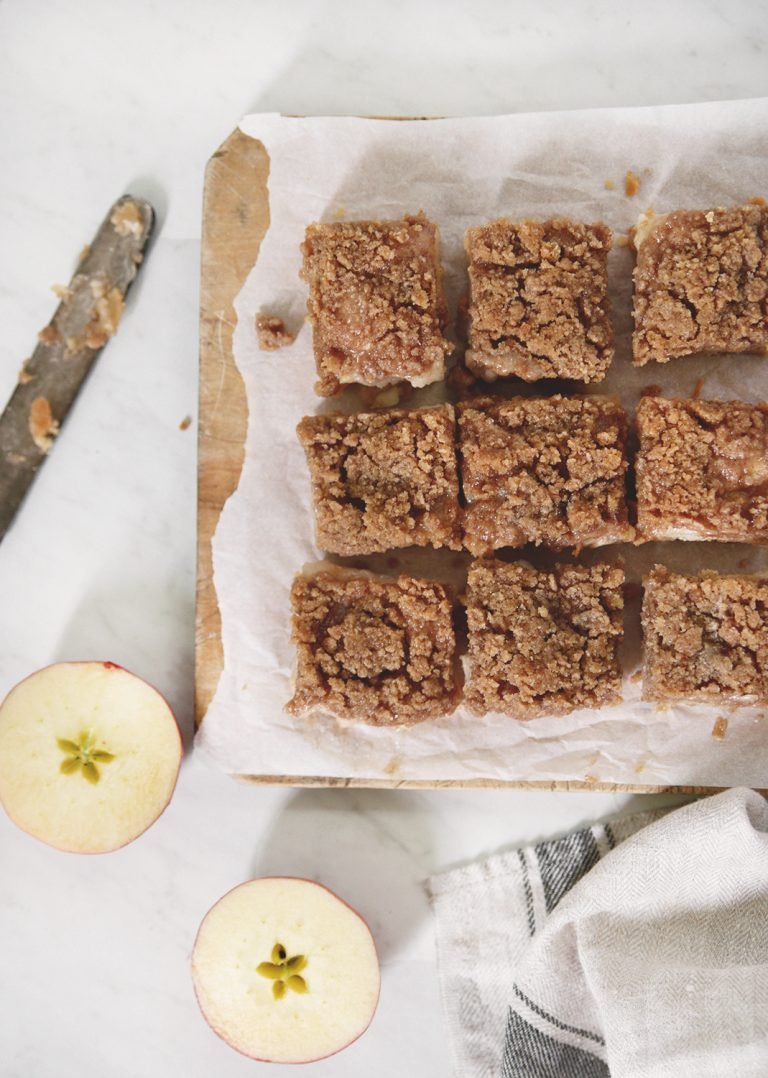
701, 283
375, 302
373, 649
702, 470
548, 471
539, 300
543, 642
706, 637
383, 480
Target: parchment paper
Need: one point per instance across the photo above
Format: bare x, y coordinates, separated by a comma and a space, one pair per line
461, 172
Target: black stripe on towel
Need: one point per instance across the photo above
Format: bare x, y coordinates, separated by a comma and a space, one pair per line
528, 894
529, 1053
563, 862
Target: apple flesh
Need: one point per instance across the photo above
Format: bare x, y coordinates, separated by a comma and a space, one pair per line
89, 756
284, 971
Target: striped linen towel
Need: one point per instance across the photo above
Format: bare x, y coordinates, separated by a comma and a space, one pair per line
632, 949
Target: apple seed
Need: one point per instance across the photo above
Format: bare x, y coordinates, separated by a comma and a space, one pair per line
82, 756
284, 971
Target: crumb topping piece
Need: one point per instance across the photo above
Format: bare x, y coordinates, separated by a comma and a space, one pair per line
271, 333
42, 426
702, 470
548, 471
127, 219
631, 184
706, 637
375, 302
373, 649
543, 642
701, 283
539, 300
383, 480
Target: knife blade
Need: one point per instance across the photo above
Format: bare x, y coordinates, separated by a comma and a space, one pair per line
87, 316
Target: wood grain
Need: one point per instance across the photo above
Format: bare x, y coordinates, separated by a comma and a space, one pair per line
235, 220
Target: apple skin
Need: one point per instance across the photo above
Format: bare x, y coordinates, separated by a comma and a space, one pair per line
108, 665
313, 883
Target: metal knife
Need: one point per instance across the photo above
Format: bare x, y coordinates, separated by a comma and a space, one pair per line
87, 316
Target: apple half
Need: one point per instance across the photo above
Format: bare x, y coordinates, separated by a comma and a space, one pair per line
89, 756
285, 971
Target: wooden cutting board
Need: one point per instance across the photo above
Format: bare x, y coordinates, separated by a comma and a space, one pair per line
235, 220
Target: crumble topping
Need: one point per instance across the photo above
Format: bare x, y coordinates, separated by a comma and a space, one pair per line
127, 220
383, 480
272, 334
375, 302
706, 637
539, 300
42, 426
631, 184
106, 312
543, 642
702, 470
701, 283
372, 649
546, 471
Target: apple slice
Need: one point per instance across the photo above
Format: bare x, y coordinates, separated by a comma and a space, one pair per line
284, 971
89, 756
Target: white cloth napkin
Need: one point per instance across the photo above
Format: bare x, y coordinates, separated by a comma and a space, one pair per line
635, 948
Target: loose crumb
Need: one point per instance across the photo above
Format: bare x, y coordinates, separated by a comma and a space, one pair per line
24, 376
756, 200
339, 212
631, 184
42, 426
637, 676
623, 240
127, 220
609, 185
640, 766
49, 335
272, 334
185, 423
105, 317
720, 727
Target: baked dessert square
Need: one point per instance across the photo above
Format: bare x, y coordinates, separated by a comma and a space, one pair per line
539, 300
543, 642
383, 480
373, 649
375, 302
548, 471
700, 283
705, 637
702, 470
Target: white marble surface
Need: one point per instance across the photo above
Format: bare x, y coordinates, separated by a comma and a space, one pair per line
101, 97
